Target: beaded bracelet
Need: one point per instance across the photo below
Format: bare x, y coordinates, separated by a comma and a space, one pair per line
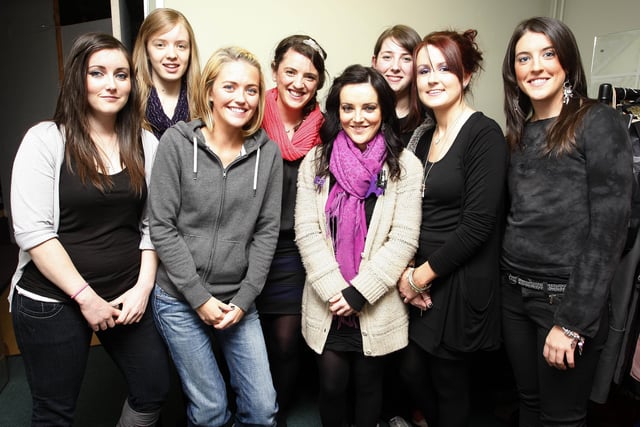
412, 284
577, 339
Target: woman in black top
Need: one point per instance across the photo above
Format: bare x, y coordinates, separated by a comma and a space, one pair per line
453, 289
78, 195
570, 190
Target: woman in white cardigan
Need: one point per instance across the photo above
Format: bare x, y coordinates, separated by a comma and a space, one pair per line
357, 225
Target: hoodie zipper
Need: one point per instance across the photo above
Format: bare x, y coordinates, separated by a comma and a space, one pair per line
208, 268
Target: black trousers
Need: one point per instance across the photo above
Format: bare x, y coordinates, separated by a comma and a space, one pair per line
548, 396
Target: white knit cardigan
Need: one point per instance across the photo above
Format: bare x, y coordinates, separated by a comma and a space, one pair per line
391, 243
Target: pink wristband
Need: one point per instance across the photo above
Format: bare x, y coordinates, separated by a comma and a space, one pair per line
86, 285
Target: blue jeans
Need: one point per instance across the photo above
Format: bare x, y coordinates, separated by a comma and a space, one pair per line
190, 343
54, 340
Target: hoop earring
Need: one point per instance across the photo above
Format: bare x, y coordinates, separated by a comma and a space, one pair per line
567, 92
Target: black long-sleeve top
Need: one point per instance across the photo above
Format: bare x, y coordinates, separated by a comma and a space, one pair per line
569, 213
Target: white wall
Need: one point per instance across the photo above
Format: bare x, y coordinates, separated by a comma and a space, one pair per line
347, 30
590, 18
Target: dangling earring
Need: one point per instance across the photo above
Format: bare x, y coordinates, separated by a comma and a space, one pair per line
567, 92
516, 100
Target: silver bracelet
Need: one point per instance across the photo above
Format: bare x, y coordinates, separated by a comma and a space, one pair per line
412, 284
578, 340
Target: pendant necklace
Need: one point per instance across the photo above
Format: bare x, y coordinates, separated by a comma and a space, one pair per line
293, 128
426, 175
436, 141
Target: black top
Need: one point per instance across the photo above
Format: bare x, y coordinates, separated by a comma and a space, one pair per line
462, 217
101, 234
569, 213
286, 244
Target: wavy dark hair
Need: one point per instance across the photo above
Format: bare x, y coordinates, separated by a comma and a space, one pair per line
71, 117
408, 38
517, 105
357, 74
306, 46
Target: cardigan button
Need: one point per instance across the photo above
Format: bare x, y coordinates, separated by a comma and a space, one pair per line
364, 333
368, 352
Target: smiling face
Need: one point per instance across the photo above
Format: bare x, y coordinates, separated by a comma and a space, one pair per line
395, 63
360, 114
169, 54
235, 94
438, 87
539, 73
296, 79
108, 82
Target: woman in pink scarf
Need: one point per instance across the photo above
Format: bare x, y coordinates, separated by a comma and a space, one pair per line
357, 222
292, 119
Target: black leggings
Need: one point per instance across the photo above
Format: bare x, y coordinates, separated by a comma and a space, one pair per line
439, 387
342, 372
283, 338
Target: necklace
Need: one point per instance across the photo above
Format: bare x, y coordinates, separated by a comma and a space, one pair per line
442, 135
426, 175
293, 128
435, 142
112, 156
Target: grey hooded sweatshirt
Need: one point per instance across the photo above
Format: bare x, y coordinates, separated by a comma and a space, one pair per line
215, 229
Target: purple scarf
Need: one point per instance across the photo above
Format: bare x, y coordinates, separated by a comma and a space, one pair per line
156, 116
356, 174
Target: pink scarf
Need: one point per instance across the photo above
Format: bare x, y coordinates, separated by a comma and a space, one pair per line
305, 137
356, 174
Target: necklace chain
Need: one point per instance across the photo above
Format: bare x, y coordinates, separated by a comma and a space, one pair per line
443, 135
436, 141
108, 156
293, 128
426, 175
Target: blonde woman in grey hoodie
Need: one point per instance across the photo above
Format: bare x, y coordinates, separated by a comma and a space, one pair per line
215, 217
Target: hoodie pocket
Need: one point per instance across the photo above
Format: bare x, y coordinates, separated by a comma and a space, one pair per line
229, 263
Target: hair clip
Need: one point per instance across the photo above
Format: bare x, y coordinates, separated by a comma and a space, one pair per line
314, 45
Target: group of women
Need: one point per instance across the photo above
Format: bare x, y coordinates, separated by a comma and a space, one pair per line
383, 230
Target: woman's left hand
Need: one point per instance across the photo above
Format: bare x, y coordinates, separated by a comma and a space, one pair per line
134, 303
559, 350
404, 288
231, 317
339, 306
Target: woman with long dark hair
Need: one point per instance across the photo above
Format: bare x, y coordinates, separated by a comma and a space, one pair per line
357, 218
570, 190
78, 197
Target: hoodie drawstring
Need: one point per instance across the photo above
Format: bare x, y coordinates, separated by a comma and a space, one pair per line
255, 173
195, 157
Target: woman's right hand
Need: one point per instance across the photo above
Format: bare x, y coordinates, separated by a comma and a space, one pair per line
213, 311
99, 314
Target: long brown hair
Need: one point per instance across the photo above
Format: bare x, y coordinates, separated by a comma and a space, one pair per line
71, 117
407, 38
517, 105
163, 20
